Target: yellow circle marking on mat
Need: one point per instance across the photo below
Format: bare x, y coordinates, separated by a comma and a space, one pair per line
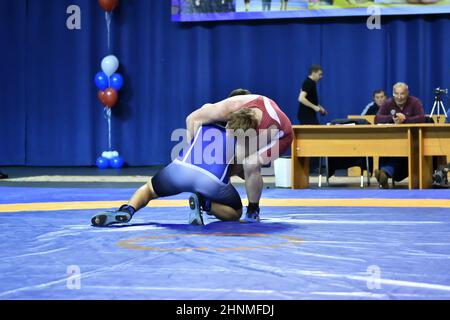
132, 243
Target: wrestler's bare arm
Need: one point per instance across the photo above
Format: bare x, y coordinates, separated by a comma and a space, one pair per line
215, 112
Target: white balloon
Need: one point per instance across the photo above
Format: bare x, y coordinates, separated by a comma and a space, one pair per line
110, 64
108, 154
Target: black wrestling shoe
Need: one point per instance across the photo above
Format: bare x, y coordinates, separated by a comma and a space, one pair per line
196, 214
3, 175
107, 218
251, 216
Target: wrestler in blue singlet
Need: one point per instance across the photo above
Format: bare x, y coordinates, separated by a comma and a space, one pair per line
202, 168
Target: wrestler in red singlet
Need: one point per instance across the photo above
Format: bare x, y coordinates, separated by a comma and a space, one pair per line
272, 116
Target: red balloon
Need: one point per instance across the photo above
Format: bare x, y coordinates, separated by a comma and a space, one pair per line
108, 5
110, 97
100, 95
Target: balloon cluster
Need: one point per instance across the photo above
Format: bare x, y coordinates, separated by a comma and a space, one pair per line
110, 159
109, 83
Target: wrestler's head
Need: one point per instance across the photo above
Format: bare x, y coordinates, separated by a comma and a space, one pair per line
244, 119
239, 92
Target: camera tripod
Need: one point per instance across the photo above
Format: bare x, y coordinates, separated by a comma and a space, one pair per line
438, 103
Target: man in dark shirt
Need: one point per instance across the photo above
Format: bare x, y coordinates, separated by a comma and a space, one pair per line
402, 108
308, 100
379, 98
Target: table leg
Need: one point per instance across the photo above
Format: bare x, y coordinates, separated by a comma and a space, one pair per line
426, 171
300, 173
413, 159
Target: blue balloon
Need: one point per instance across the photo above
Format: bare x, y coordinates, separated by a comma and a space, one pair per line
116, 81
101, 81
116, 162
102, 163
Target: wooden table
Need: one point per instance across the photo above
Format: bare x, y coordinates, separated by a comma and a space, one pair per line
355, 171
434, 140
417, 142
371, 119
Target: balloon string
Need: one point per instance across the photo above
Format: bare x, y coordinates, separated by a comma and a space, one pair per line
108, 117
109, 129
108, 110
108, 27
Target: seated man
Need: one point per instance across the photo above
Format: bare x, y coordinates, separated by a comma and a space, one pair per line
402, 108
194, 171
379, 98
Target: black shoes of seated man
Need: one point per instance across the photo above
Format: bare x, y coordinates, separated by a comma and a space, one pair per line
3, 175
382, 179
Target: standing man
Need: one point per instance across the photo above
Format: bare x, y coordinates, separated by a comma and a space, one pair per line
274, 135
308, 100
402, 108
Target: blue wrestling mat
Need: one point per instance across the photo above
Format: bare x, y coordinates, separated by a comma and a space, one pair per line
306, 251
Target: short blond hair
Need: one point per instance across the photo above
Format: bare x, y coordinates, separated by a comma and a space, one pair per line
243, 119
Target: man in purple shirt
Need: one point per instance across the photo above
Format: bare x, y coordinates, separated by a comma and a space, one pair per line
402, 108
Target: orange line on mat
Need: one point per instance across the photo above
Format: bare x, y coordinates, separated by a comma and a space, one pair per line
369, 202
